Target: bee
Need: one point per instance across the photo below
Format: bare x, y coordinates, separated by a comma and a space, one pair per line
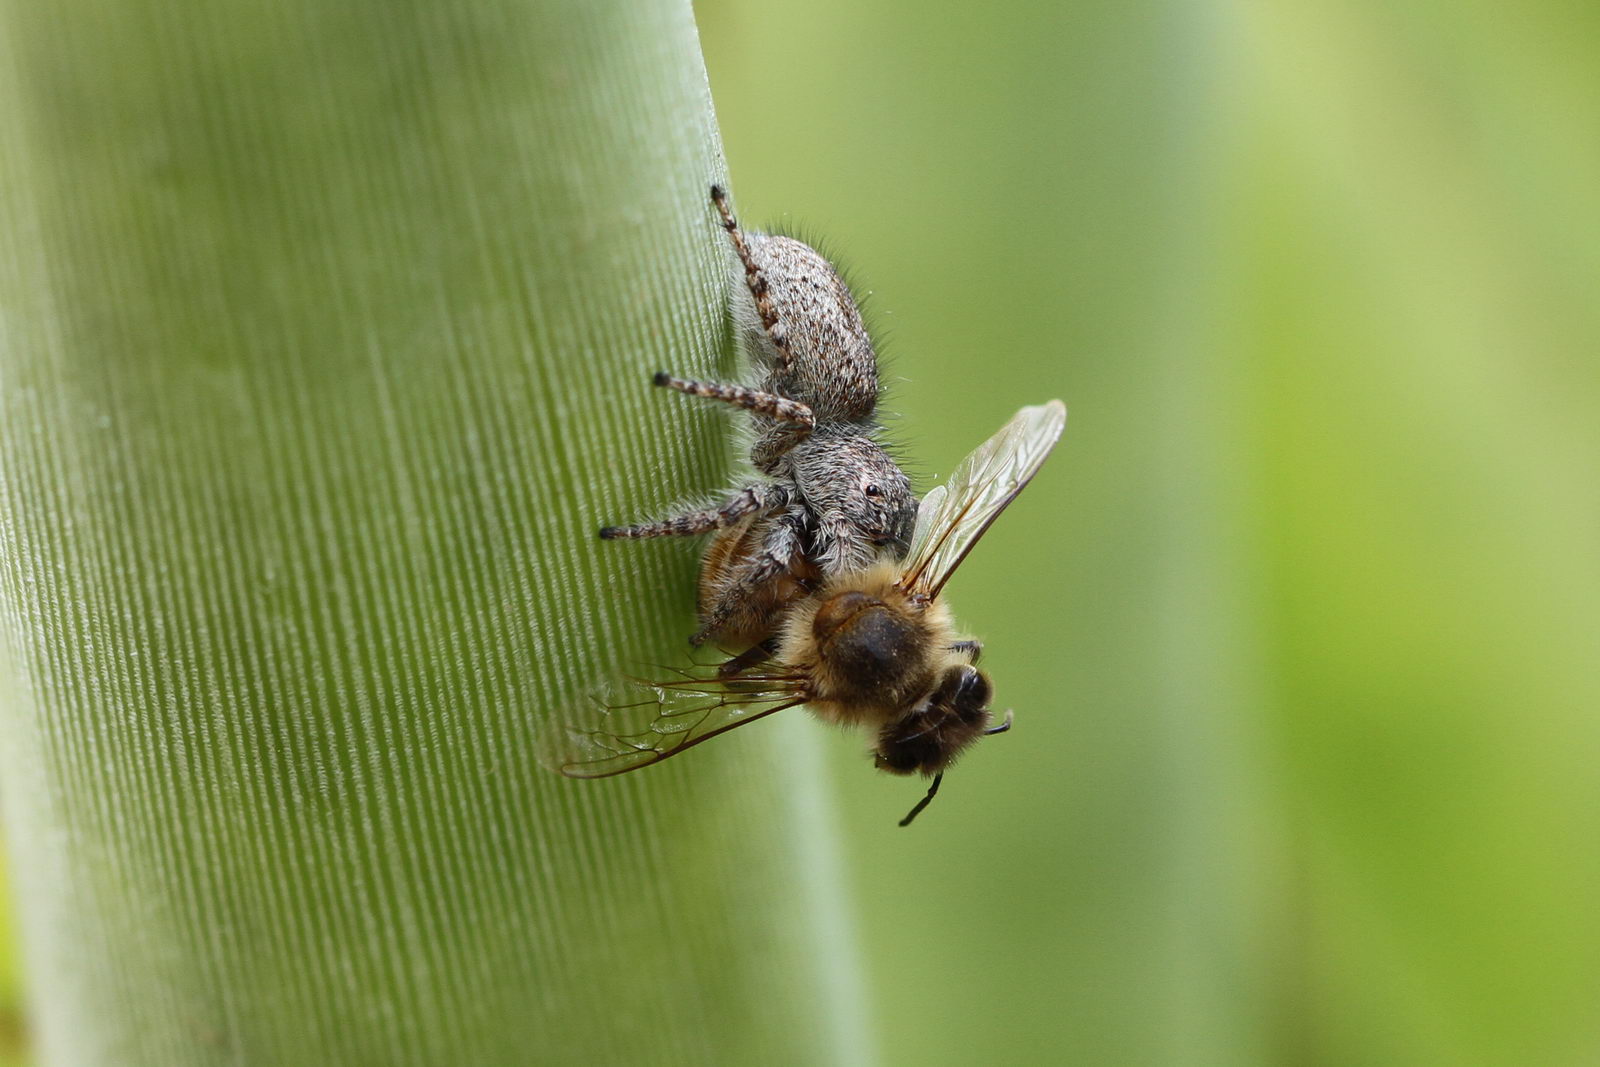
874, 647
832, 499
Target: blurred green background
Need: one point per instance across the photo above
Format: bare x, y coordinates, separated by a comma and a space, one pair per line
1302, 622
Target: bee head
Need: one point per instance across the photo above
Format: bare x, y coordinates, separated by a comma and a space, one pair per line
929, 737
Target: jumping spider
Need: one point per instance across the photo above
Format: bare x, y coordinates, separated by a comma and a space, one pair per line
832, 500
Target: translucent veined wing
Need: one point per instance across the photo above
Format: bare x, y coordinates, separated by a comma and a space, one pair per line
953, 516
633, 722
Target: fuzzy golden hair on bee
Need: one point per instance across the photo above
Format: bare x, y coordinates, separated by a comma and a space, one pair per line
873, 647
751, 608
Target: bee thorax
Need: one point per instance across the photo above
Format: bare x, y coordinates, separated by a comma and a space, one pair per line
869, 654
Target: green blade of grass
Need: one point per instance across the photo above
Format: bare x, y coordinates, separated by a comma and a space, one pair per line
325, 339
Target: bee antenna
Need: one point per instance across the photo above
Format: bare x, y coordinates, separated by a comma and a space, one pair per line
925, 801
1003, 727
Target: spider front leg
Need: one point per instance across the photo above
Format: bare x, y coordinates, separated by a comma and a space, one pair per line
753, 499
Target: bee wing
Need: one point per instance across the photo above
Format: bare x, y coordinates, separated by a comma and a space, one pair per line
953, 516
633, 722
